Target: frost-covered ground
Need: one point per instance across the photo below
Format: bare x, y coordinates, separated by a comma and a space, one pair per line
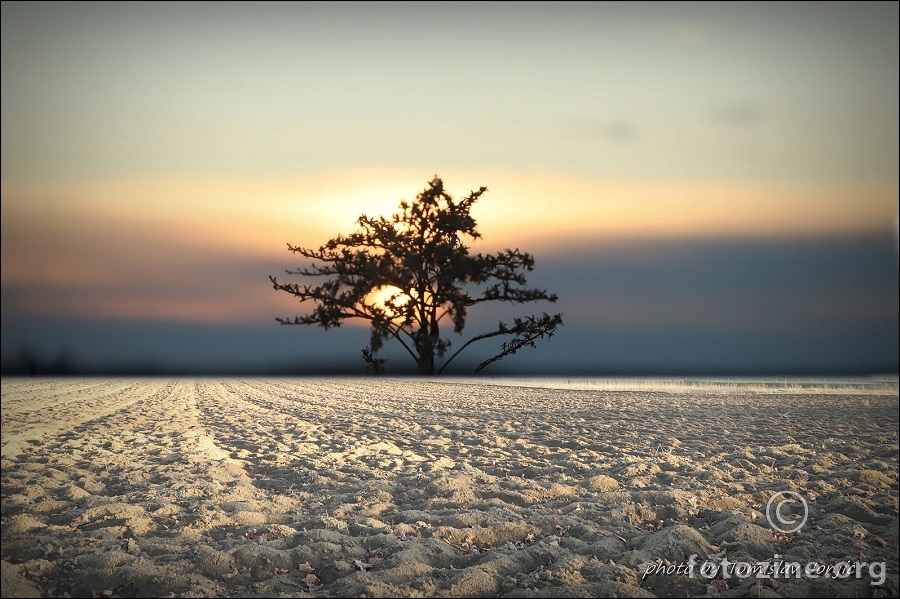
403, 487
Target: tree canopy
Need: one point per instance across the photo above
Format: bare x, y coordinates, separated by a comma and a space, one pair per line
413, 278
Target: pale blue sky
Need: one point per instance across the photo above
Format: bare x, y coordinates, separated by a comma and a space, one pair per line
748, 92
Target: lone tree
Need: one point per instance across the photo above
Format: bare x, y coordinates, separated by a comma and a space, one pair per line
409, 276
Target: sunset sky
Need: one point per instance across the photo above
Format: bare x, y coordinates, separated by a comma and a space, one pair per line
708, 187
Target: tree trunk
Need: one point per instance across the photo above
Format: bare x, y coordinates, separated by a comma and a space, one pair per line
425, 349
426, 365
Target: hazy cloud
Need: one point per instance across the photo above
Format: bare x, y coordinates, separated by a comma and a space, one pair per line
825, 305
740, 114
613, 131
690, 32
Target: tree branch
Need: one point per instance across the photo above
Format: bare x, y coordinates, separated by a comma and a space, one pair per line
526, 332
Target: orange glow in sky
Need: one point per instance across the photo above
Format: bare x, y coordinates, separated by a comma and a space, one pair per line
133, 234
158, 179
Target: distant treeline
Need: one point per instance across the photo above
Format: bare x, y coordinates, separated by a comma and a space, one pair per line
29, 363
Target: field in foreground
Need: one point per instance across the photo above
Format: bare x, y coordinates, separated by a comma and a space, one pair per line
375, 487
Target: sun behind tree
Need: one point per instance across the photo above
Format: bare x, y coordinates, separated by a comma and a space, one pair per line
390, 299
411, 276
